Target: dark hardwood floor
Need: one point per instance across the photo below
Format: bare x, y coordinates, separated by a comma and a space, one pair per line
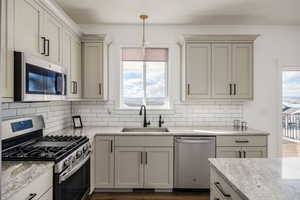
152, 196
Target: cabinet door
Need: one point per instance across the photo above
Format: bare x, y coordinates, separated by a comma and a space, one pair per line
242, 70
53, 30
27, 26
221, 70
229, 152
104, 162
93, 70
129, 167
158, 168
254, 152
198, 71
75, 69
66, 58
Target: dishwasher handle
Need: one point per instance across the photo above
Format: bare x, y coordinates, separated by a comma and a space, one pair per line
193, 141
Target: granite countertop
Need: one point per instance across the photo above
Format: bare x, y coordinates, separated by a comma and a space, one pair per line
91, 131
261, 179
16, 175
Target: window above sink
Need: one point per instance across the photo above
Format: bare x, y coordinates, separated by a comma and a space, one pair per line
144, 78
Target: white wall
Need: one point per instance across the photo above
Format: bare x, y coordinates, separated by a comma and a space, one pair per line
276, 44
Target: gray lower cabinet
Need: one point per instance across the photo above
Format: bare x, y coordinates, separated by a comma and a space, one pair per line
144, 167
158, 169
133, 162
241, 147
129, 167
104, 162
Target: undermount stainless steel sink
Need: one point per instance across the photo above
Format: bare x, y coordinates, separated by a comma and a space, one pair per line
148, 130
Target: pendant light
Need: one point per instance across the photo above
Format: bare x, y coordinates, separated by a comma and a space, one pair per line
144, 17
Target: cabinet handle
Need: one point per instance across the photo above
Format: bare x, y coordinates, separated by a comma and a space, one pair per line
146, 158
219, 187
241, 141
44, 45
100, 89
234, 89
141, 158
244, 154
48, 47
111, 146
75, 87
188, 89
31, 196
240, 154
230, 89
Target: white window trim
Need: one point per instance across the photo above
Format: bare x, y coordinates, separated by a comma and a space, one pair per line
167, 105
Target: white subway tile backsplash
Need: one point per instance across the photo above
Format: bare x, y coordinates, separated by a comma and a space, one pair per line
57, 115
208, 113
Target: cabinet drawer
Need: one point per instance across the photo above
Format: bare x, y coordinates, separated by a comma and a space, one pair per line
144, 141
241, 141
221, 187
36, 188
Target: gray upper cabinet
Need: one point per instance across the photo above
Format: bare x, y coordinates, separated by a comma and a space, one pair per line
53, 32
198, 70
218, 67
32, 27
242, 70
221, 70
95, 67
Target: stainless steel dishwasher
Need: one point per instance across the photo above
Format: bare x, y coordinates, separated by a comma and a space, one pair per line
191, 161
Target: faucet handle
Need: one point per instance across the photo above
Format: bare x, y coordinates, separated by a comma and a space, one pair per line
148, 123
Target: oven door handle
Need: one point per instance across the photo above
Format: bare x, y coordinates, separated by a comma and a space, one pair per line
66, 175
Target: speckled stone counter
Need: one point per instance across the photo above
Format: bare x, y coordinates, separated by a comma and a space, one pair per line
90, 132
261, 179
16, 175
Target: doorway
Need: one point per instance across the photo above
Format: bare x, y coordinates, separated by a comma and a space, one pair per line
290, 108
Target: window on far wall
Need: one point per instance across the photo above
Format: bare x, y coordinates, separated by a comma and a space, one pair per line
144, 74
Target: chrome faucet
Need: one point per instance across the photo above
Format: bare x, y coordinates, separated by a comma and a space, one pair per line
145, 124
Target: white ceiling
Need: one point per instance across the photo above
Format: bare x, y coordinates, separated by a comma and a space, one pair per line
273, 12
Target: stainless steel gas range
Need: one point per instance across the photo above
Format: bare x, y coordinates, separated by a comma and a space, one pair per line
23, 140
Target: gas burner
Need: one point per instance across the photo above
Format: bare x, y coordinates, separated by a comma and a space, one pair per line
45, 148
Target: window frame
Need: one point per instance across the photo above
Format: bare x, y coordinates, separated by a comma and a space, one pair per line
167, 104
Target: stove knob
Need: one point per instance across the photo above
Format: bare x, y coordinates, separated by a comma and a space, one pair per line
67, 163
78, 154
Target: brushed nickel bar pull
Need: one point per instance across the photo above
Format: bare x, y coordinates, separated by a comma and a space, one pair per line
240, 154
146, 158
31, 196
48, 47
219, 187
111, 146
241, 141
234, 89
44, 45
73, 87
188, 89
100, 89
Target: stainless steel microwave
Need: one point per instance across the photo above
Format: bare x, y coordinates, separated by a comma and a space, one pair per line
38, 80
